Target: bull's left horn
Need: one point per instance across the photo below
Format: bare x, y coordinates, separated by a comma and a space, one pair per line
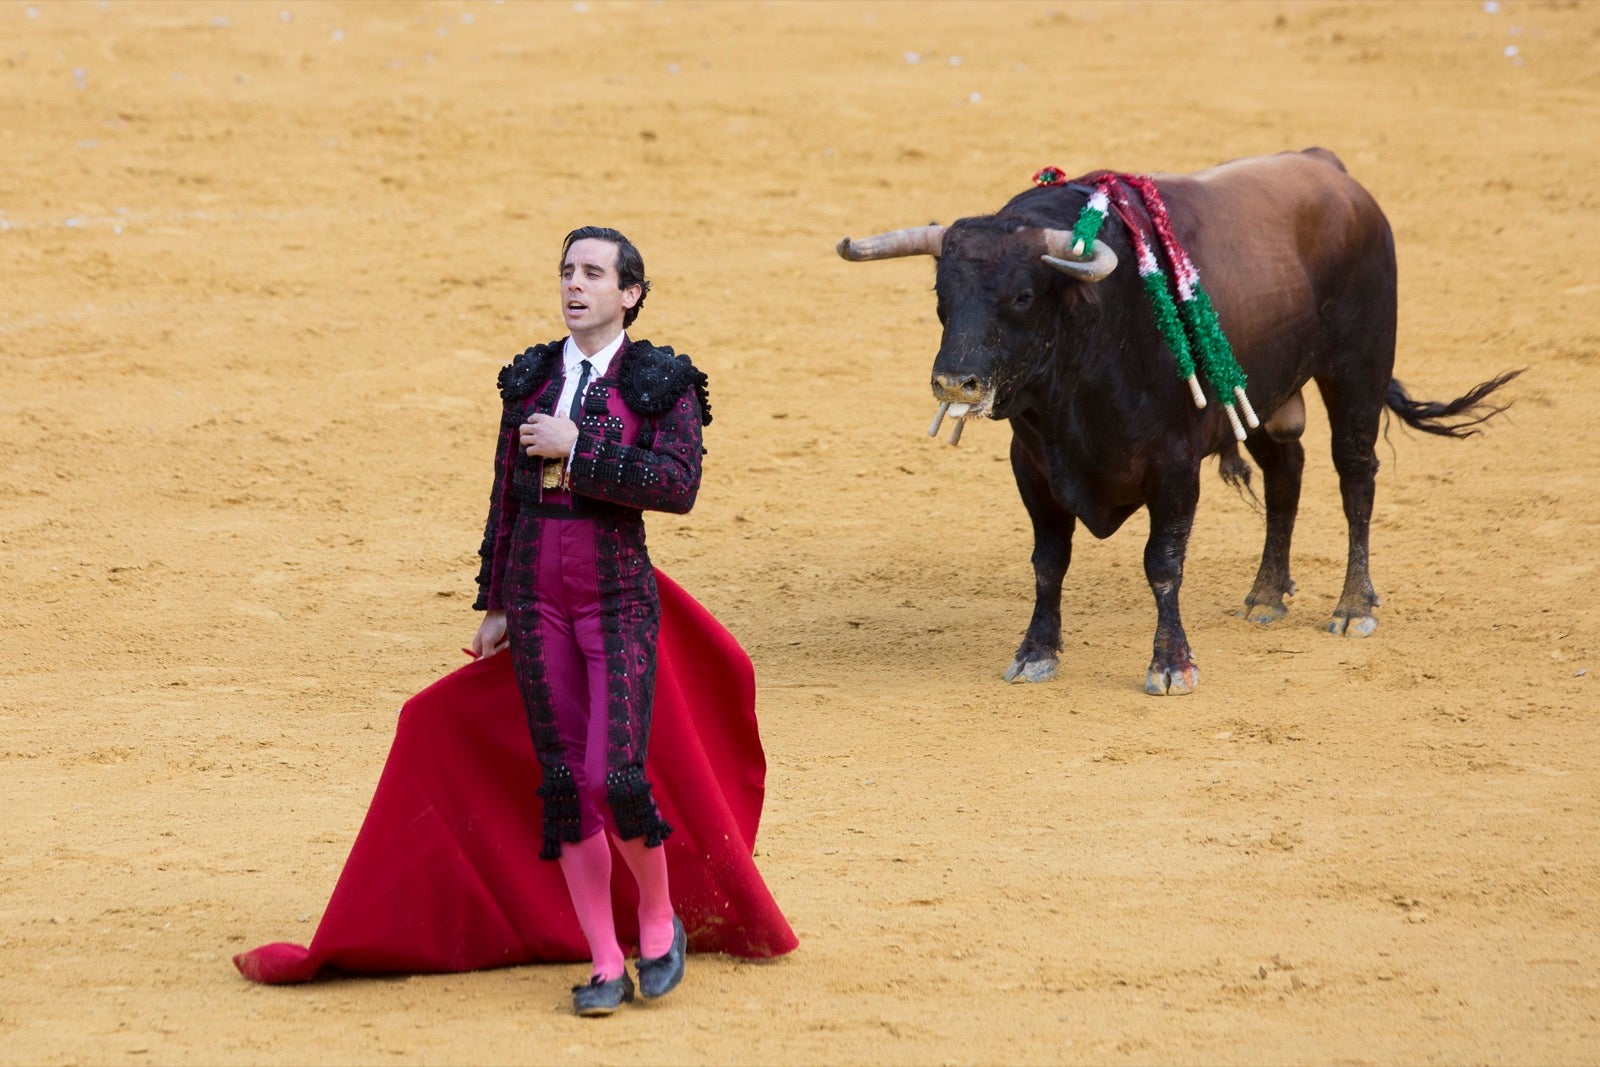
1058, 247
917, 241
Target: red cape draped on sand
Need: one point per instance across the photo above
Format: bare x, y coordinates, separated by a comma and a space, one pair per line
445, 874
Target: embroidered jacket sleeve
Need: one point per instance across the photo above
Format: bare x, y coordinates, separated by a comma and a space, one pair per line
659, 472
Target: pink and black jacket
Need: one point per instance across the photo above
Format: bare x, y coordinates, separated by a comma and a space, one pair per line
640, 455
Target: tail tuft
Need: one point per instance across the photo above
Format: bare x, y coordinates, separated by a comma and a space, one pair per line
1236, 472
1432, 416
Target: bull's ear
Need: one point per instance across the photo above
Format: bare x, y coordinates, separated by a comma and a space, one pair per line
1099, 265
917, 241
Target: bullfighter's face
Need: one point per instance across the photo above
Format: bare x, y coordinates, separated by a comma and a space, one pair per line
592, 300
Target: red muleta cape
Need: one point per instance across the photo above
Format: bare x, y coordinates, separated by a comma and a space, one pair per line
445, 874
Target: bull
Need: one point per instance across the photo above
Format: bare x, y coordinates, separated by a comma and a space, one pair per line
1060, 341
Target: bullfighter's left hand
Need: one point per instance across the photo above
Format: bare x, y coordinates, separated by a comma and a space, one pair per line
548, 435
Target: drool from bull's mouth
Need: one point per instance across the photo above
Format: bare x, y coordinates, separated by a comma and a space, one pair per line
959, 412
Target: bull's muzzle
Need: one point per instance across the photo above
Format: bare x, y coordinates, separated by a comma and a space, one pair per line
961, 396
959, 388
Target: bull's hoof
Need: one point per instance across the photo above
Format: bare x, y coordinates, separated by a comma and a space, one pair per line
1172, 681
1357, 626
1035, 670
1264, 605
1264, 614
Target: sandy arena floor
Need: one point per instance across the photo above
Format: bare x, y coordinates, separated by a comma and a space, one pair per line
259, 265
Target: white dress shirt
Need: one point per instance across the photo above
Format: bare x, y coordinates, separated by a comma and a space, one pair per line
571, 358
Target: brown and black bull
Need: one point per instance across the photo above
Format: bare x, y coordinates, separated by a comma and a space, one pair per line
1299, 262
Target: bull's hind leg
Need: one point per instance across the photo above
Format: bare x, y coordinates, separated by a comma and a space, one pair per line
1353, 415
1282, 460
1038, 657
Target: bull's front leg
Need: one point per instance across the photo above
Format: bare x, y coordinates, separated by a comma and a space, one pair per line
1038, 657
1173, 670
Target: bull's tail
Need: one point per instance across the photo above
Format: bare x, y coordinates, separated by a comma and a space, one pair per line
1236, 472
1468, 410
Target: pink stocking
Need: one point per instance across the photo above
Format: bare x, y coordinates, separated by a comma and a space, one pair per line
649, 867
587, 869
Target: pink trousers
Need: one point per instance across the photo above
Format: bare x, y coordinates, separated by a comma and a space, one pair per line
575, 657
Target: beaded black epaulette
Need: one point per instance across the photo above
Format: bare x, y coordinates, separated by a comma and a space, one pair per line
519, 378
652, 378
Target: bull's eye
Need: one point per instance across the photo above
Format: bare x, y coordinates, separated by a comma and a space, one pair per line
1023, 300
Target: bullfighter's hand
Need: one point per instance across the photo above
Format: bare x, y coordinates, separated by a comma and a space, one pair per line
548, 435
491, 635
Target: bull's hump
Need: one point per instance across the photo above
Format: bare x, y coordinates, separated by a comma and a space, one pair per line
1314, 164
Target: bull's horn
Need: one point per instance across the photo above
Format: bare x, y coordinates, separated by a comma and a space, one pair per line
917, 241
1059, 254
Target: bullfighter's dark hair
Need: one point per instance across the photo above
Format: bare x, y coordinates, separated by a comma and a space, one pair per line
630, 264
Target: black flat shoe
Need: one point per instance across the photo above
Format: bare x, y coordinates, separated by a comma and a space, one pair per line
660, 976
600, 997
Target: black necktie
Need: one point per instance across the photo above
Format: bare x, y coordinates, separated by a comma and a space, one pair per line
575, 413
